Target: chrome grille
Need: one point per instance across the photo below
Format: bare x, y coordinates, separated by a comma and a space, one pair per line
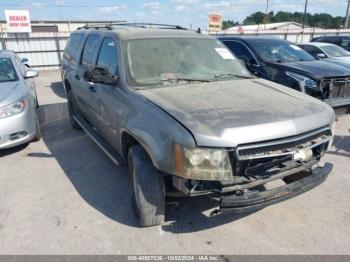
284, 146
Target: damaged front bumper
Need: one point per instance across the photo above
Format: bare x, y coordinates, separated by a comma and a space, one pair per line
243, 200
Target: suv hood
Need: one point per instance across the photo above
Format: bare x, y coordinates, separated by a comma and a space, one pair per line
10, 92
228, 113
315, 69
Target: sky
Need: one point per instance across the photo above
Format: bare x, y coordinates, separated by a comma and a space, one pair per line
181, 12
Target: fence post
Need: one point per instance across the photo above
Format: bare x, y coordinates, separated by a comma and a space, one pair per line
57, 44
3, 42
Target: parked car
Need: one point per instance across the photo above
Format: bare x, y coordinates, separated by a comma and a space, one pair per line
330, 52
178, 107
340, 40
285, 63
18, 102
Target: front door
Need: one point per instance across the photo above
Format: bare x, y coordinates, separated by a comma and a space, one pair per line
108, 96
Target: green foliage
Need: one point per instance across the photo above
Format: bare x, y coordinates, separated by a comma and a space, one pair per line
229, 23
322, 20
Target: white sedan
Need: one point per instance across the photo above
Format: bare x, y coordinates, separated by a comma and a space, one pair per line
329, 52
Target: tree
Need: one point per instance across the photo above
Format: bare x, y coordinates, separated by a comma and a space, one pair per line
228, 23
322, 20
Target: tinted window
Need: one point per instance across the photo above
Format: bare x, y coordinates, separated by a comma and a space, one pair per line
73, 47
89, 50
241, 51
108, 56
345, 43
7, 71
312, 50
332, 40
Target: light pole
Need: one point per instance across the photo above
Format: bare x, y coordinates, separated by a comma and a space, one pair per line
266, 13
347, 16
304, 21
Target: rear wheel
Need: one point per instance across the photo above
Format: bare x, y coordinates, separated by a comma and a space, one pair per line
72, 110
149, 190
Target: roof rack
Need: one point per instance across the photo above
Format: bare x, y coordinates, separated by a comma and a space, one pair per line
139, 25
96, 26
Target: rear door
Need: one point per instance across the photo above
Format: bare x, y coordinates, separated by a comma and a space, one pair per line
85, 91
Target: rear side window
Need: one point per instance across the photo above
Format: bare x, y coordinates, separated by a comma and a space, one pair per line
241, 51
331, 40
73, 47
345, 43
90, 49
108, 56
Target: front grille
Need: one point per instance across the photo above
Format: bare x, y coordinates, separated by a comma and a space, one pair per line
283, 146
335, 88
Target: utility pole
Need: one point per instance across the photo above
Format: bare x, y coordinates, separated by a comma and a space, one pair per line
304, 21
267, 13
346, 25
304, 17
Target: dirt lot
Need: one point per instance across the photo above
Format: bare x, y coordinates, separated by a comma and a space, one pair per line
62, 195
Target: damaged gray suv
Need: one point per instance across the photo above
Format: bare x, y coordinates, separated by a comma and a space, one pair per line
183, 112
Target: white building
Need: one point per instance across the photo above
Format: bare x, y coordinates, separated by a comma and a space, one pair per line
292, 26
40, 26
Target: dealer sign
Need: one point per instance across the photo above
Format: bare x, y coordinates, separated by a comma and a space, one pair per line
18, 21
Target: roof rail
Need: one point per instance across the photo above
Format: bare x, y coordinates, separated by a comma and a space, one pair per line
139, 25
150, 25
96, 26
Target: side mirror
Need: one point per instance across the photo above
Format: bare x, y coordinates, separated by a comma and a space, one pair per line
321, 56
24, 60
31, 73
100, 75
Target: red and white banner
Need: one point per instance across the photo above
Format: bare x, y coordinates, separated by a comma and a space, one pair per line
18, 21
215, 22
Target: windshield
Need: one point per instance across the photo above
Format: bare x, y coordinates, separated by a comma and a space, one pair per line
281, 52
334, 51
162, 61
7, 72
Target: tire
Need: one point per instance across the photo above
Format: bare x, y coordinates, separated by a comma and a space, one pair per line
72, 110
38, 135
149, 190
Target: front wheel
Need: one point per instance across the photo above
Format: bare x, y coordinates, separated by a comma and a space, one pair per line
37, 136
149, 190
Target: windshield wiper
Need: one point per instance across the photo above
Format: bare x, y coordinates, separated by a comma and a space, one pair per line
226, 75
177, 79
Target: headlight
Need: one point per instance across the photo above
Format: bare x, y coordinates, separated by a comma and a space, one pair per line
333, 133
303, 81
13, 109
202, 164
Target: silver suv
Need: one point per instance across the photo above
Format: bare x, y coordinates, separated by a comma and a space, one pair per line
181, 110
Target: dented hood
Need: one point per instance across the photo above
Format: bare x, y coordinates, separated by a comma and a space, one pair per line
228, 113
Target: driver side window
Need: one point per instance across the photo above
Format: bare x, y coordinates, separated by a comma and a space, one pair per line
241, 51
314, 51
108, 56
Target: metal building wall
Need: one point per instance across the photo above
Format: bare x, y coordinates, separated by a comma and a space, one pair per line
44, 50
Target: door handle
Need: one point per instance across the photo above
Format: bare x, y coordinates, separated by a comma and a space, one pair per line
92, 88
77, 77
